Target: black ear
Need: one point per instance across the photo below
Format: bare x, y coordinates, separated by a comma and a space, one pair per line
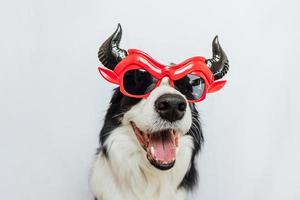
109, 53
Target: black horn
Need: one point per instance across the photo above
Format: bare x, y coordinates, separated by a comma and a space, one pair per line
219, 63
109, 53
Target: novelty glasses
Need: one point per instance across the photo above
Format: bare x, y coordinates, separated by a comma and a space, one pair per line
138, 75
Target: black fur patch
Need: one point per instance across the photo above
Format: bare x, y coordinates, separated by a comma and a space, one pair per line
190, 179
119, 104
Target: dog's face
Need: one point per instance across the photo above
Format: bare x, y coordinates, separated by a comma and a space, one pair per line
158, 122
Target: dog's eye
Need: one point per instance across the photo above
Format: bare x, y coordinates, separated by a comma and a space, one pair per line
192, 86
141, 75
138, 82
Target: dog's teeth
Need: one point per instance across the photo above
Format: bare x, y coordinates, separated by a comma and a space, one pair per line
146, 137
152, 150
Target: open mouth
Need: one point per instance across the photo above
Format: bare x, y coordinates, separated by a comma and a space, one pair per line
160, 146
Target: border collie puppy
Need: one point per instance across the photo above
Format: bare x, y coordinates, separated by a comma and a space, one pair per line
151, 133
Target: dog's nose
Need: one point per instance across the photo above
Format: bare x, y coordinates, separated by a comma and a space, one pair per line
170, 107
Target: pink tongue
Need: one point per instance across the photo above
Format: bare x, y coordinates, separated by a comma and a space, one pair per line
164, 147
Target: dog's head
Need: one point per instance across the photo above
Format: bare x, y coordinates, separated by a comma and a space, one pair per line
158, 109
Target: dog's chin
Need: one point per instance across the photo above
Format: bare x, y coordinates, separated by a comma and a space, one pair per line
160, 146
162, 166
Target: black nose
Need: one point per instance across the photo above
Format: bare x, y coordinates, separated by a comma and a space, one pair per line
170, 107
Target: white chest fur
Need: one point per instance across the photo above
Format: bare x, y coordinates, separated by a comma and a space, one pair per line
127, 174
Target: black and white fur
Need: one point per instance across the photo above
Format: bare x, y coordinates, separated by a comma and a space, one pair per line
121, 170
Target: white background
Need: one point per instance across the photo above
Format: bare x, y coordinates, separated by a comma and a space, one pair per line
52, 100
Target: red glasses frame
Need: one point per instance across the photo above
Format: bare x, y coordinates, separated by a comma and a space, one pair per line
137, 59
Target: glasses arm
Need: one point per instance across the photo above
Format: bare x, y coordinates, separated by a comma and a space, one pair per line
109, 75
216, 86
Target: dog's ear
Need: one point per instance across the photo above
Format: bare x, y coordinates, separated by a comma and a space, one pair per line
216, 86
109, 53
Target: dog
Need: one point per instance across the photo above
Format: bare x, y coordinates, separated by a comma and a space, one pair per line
151, 133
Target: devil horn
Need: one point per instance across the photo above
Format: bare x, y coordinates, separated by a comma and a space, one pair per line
109, 53
218, 64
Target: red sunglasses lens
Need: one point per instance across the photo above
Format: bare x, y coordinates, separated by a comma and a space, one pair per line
192, 86
138, 82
